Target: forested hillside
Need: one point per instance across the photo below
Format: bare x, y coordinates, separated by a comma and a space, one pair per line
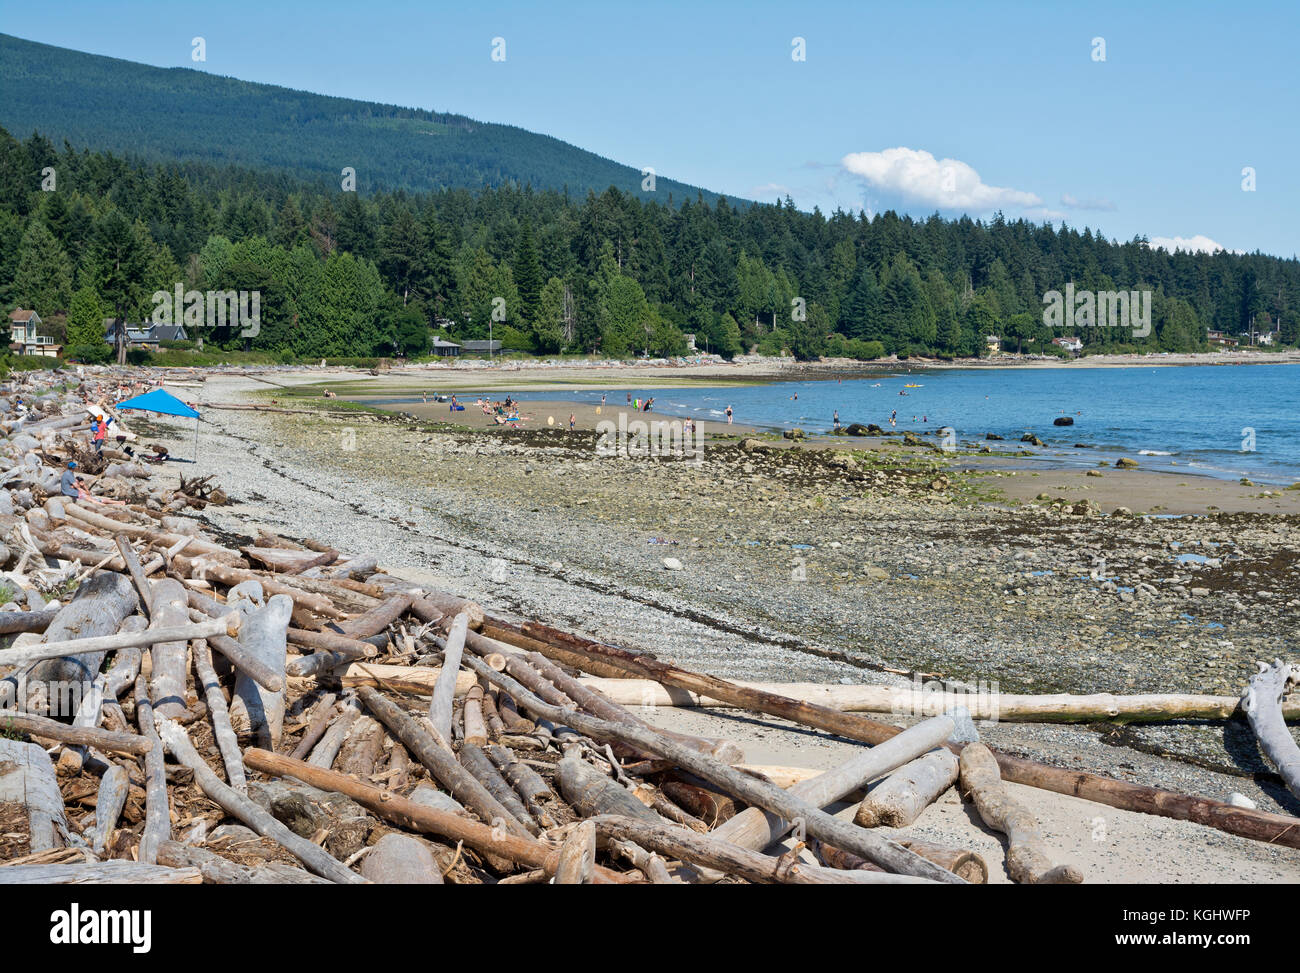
348, 274
167, 114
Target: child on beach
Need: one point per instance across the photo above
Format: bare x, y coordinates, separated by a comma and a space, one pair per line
573, 421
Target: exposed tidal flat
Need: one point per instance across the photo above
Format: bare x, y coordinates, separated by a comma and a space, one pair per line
872, 564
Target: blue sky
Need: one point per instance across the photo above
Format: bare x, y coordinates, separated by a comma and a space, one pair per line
951, 106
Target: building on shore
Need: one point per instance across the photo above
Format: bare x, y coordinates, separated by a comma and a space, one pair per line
25, 336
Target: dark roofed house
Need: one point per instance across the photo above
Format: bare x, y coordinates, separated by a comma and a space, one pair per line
25, 337
482, 347
445, 349
146, 335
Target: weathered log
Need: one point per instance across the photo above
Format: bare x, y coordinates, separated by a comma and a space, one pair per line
96, 610
491, 718
1027, 860
528, 784
115, 872
418, 680
434, 605
378, 618
223, 732
598, 705
445, 687
756, 829
264, 675
100, 645
321, 718
1249, 823
288, 561
31, 621
205, 568
960, 861
817, 822
27, 779
705, 804
711, 852
900, 798
361, 750
439, 761
90, 711
221, 871
238, 805
85, 736
473, 759
332, 741
1006, 707
590, 792
1262, 703
157, 811
472, 715
577, 856
109, 801
255, 712
167, 610
523, 850
142, 585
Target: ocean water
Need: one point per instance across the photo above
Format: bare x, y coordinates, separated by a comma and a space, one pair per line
1215, 420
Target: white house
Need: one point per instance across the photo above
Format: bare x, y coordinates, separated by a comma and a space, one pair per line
993, 342
1070, 344
24, 337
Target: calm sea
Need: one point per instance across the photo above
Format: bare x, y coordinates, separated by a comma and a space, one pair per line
1214, 420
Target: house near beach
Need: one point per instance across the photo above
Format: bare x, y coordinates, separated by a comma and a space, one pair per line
148, 336
1220, 339
993, 343
445, 349
1071, 344
25, 337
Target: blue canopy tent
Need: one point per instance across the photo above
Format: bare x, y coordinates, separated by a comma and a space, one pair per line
164, 403
160, 401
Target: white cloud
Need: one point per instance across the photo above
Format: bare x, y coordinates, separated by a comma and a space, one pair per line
947, 184
1074, 202
1195, 244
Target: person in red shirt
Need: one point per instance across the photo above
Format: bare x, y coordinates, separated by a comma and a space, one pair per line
99, 432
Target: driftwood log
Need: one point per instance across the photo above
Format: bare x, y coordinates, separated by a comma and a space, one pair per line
1262, 703
1027, 860
900, 798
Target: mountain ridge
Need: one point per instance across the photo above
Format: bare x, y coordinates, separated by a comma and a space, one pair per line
183, 114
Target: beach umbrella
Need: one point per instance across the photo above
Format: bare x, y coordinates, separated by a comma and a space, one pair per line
164, 403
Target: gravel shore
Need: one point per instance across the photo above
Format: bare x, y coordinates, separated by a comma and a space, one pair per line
775, 564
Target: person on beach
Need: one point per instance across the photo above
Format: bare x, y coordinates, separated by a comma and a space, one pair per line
837, 418
648, 402
728, 415
602, 398
99, 432
453, 404
629, 398
573, 421
893, 418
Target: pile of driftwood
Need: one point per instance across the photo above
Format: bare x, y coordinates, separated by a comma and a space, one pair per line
278, 711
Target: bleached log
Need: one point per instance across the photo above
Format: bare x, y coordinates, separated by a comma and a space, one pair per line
1027, 860
472, 715
29, 621
27, 779
96, 610
110, 800
899, 799
316, 859
1009, 707
256, 712
90, 710
168, 611
444, 689
590, 792
418, 680
157, 810
205, 679
1263, 702
85, 736
325, 752
474, 760
221, 871
378, 618
98, 646
116, 872
399, 859
711, 852
321, 717
756, 829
